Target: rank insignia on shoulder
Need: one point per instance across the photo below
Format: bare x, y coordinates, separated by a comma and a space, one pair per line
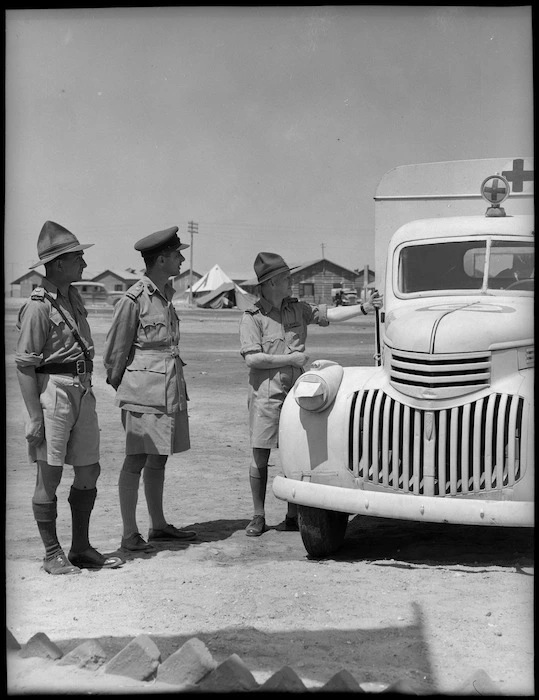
135, 291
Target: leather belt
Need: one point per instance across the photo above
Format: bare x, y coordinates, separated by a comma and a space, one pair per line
73, 368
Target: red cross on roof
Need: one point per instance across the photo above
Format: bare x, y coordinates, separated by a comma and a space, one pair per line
518, 176
496, 192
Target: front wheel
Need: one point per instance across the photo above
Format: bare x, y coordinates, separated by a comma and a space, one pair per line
322, 531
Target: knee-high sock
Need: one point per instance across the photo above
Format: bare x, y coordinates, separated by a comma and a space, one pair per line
45, 515
154, 485
258, 479
82, 503
128, 485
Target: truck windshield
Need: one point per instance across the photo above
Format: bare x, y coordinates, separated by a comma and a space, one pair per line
463, 265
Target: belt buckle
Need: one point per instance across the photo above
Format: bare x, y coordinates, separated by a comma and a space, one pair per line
81, 366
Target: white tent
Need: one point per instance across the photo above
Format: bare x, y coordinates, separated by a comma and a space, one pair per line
216, 290
213, 279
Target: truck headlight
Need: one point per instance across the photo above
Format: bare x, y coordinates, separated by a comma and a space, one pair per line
315, 390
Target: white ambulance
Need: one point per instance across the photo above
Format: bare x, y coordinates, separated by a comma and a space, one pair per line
441, 429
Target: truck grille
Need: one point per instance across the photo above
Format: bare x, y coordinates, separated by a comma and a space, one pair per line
468, 449
446, 375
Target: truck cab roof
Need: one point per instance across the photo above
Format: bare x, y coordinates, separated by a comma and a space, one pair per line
465, 227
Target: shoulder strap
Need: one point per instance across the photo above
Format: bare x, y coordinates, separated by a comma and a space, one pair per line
135, 291
80, 341
252, 310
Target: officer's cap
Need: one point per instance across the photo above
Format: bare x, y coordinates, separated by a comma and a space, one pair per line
268, 265
160, 242
55, 240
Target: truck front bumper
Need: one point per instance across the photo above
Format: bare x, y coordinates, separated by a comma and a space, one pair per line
461, 511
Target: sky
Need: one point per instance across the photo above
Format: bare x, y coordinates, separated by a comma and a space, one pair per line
269, 127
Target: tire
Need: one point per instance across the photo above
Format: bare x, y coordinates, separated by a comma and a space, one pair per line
322, 531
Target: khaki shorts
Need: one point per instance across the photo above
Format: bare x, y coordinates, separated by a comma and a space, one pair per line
267, 391
264, 415
71, 425
264, 424
155, 433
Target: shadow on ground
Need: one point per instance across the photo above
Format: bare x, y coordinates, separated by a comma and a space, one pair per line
210, 531
307, 651
406, 542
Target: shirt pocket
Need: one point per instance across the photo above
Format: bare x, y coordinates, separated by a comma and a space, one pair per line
59, 331
153, 328
295, 336
274, 344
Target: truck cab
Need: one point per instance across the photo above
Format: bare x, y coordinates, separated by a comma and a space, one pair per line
440, 429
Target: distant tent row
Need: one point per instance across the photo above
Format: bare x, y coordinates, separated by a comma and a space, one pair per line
215, 290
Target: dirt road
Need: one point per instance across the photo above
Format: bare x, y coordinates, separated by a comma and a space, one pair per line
425, 604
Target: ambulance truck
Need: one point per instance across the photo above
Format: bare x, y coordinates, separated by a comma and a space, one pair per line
441, 428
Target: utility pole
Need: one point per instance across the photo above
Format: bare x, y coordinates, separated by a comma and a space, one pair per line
192, 227
323, 245
365, 281
12, 278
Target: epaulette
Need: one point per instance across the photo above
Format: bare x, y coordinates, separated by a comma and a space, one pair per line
135, 291
252, 310
292, 300
38, 294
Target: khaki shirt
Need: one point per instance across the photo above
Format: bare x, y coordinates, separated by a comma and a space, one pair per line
264, 328
141, 353
44, 335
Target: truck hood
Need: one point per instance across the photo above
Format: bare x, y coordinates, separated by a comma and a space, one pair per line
456, 327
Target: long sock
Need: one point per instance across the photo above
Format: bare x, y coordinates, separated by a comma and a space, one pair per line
154, 485
128, 485
82, 502
258, 479
45, 515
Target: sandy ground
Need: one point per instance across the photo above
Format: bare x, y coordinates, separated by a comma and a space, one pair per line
427, 604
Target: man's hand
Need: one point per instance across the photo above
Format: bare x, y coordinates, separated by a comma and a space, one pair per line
35, 431
297, 359
374, 301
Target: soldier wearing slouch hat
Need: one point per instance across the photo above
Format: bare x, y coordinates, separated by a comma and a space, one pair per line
54, 360
273, 333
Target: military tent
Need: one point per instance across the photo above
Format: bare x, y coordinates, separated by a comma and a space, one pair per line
216, 290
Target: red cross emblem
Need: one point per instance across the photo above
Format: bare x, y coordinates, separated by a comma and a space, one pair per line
495, 189
518, 176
